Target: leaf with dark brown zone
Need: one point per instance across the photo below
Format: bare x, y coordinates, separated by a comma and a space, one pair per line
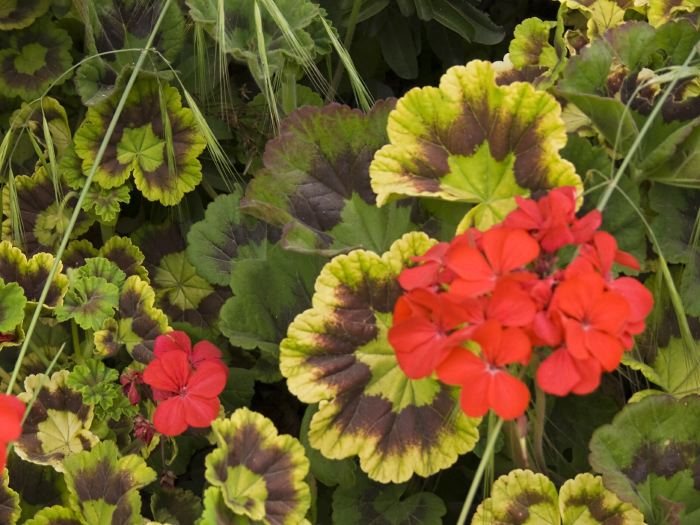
9, 501
261, 474
337, 354
58, 424
104, 486
20, 14
651, 451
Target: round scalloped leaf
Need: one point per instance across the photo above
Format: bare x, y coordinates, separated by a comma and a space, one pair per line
241, 39
34, 59
314, 167
261, 474
9, 500
181, 292
450, 142
367, 502
77, 252
12, 303
337, 354
30, 119
103, 268
43, 214
104, 486
139, 147
661, 11
216, 510
89, 301
126, 255
136, 324
31, 274
521, 497
55, 515
17, 14
649, 456
530, 45
58, 424
584, 500
99, 387
222, 237
601, 15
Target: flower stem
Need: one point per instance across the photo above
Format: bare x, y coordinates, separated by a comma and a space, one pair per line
540, 415
347, 42
490, 444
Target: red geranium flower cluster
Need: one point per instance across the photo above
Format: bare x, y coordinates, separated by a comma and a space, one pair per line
11, 413
481, 303
186, 383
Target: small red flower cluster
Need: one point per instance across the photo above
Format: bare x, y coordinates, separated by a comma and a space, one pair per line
11, 413
482, 302
186, 383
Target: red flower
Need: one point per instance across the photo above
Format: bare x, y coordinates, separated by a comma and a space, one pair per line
130, 382
11, 413
429, 274
484, 381
593, 319
188, 397
179, 341
560, 373
424, 330
502, 252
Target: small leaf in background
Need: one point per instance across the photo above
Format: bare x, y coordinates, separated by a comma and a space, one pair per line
35, 58
17, 15
223, 236
176, 506
104, 486
649, 455
55, 515
530, 45
58, 425
138, 146
31, 274
369, 502
337, 354
434, 133
99, 387
272, 491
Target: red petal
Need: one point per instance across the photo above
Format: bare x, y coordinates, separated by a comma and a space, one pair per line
472, 269
511, 305
169, 417
605, 249
200, 412
474, 398
3, 455
460, 367
626, 259
11, 412
574, 337
558, 374
609, 313
508, 249
508, 396
639, 299
605, 348
584, 228
515, 347
168, 373
175, 340
209, 380
575, 296
205, 351
488, 335
590, 372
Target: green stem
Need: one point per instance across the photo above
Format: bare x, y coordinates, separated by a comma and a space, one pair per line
289, 92
81, 198
540, 415
77, 354
347, 42
490, 444
642, 133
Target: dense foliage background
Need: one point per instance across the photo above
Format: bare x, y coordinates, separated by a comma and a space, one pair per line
257, 174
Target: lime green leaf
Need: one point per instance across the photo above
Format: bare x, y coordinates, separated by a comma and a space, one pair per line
224, 235
240, 38
43, 215
102, 268
99, 387
523, 497
661, 11
513, 131
367, 502
138, 146
55, 515
261, 474
126, 255
58, 424
17, 14
34, 59
31, 274
649, 455
137, 323
89, 301
337, 354
12, 303
77, 252
216, 510
312, 171
530, 45
584, 500
600, 14
9, 501
104, 486
268, 293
